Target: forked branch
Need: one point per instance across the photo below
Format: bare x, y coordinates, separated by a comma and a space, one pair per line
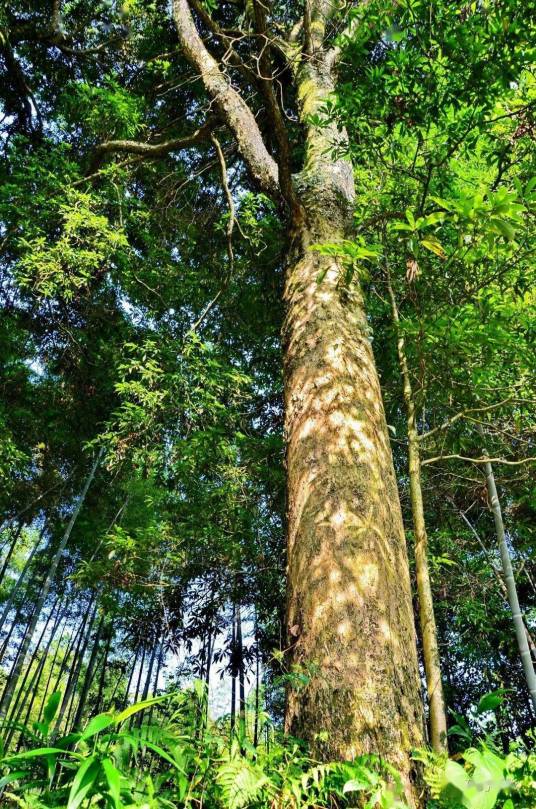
228, 101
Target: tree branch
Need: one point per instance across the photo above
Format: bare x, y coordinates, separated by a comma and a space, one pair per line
228, 101
477, 460
449, 422
274, 113
151, 149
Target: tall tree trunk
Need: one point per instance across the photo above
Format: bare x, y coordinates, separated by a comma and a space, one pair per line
233, 673
76, 665
430, 647
350, 617
73, 644
102, 678
20, 581
88, 679
33, 685
13, 545
241, 675
49, 679
147, 684
509, 580
21, 658
140, 675
257, 685
130, 678
15, 622
497, 573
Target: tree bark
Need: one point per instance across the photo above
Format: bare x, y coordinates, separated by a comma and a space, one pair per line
49, 678
430, 647
350, 618
241, 676
33, 685
102, 678
233, 673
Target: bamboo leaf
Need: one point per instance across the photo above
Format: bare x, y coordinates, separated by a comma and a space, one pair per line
83, 781
113, 777
139, 706
97, 724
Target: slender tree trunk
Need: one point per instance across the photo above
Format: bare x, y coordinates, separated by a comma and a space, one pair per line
149, 676
17, 696
208, 662
148, 680
241, 675
88, 679
257, 685
33, 685
131, 677
21, 658
72, 646
233, 673
350, 618
140, 675
76, 665
15, 622
430, 646
49, 679
497, 574
159, 664
509, 580
13, 545
102, 678
20, 581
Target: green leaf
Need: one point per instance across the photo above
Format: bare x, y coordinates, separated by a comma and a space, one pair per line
530, 185
432, 244
113, 777
39, 751
158, 750
434, 218
12, 776
490, 701
51, 707
354, 786
504, 228
443, 203
83, 781
97, 724
456, 783
139, 706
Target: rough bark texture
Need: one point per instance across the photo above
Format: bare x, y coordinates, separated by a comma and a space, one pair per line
349, 602
228, 101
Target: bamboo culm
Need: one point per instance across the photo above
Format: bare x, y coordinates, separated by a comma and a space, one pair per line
21, 657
